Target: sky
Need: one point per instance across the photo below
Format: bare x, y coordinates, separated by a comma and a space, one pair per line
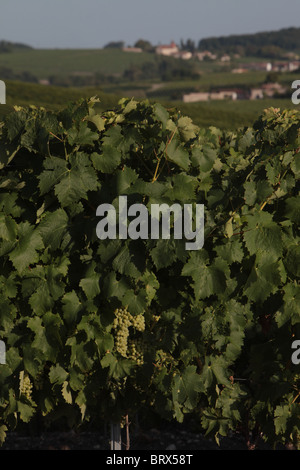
94, 23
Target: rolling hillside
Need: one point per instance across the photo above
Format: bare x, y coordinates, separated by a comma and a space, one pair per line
44, 63
223, 114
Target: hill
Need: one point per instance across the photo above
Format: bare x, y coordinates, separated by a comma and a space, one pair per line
44, 63
8, 46
262, 44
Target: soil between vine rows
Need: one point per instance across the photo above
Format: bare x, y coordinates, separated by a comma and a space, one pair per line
169, 437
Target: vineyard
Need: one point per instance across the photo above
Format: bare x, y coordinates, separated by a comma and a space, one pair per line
98, 330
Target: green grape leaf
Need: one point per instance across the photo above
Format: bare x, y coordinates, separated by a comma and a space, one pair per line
82, 136
71, 306
118, 368
8, 228
66, 393
53, 227
77, 181
108, 160
57, 374
204, 158
262, 234
177, 154
27, 245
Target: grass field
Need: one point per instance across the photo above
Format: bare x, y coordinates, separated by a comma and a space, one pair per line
44, 63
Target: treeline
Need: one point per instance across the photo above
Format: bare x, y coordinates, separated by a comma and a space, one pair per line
7, 46
166, 69
271, 44
7, 73
264, 44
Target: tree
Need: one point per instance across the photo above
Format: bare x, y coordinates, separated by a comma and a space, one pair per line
114, 45
272, 77
144, 45
188, 46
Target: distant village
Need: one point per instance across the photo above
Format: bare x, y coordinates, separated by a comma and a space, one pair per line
267, 90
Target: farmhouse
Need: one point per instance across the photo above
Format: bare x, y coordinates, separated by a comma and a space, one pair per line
256, 94
225, 58
202, 55
270, 89
233, 94
286, 66
167, 50
194, 97
259, 66
224, 94
185, 55
239, 70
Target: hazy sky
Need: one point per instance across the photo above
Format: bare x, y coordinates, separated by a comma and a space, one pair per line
93, 23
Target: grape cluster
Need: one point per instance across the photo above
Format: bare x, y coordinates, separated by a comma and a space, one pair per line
121, 324
136, 351
162, 358
25, 387
138, 322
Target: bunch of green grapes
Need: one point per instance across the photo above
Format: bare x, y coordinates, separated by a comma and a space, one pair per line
136, 351
25, 386
138, 322
122, 322
162, 357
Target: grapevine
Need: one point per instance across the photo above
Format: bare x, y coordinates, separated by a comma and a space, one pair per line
115, 325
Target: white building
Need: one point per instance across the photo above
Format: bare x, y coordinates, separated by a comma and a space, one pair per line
224, 95
167, 50
202, 55
194, 97
256, 94
185, 55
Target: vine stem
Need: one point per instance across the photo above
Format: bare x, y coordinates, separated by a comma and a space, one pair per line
127, 423
157, 166
298, 395
270, 197
56, 136
155, 177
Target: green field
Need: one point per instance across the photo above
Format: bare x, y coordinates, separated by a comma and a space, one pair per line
222, 114
44, 63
